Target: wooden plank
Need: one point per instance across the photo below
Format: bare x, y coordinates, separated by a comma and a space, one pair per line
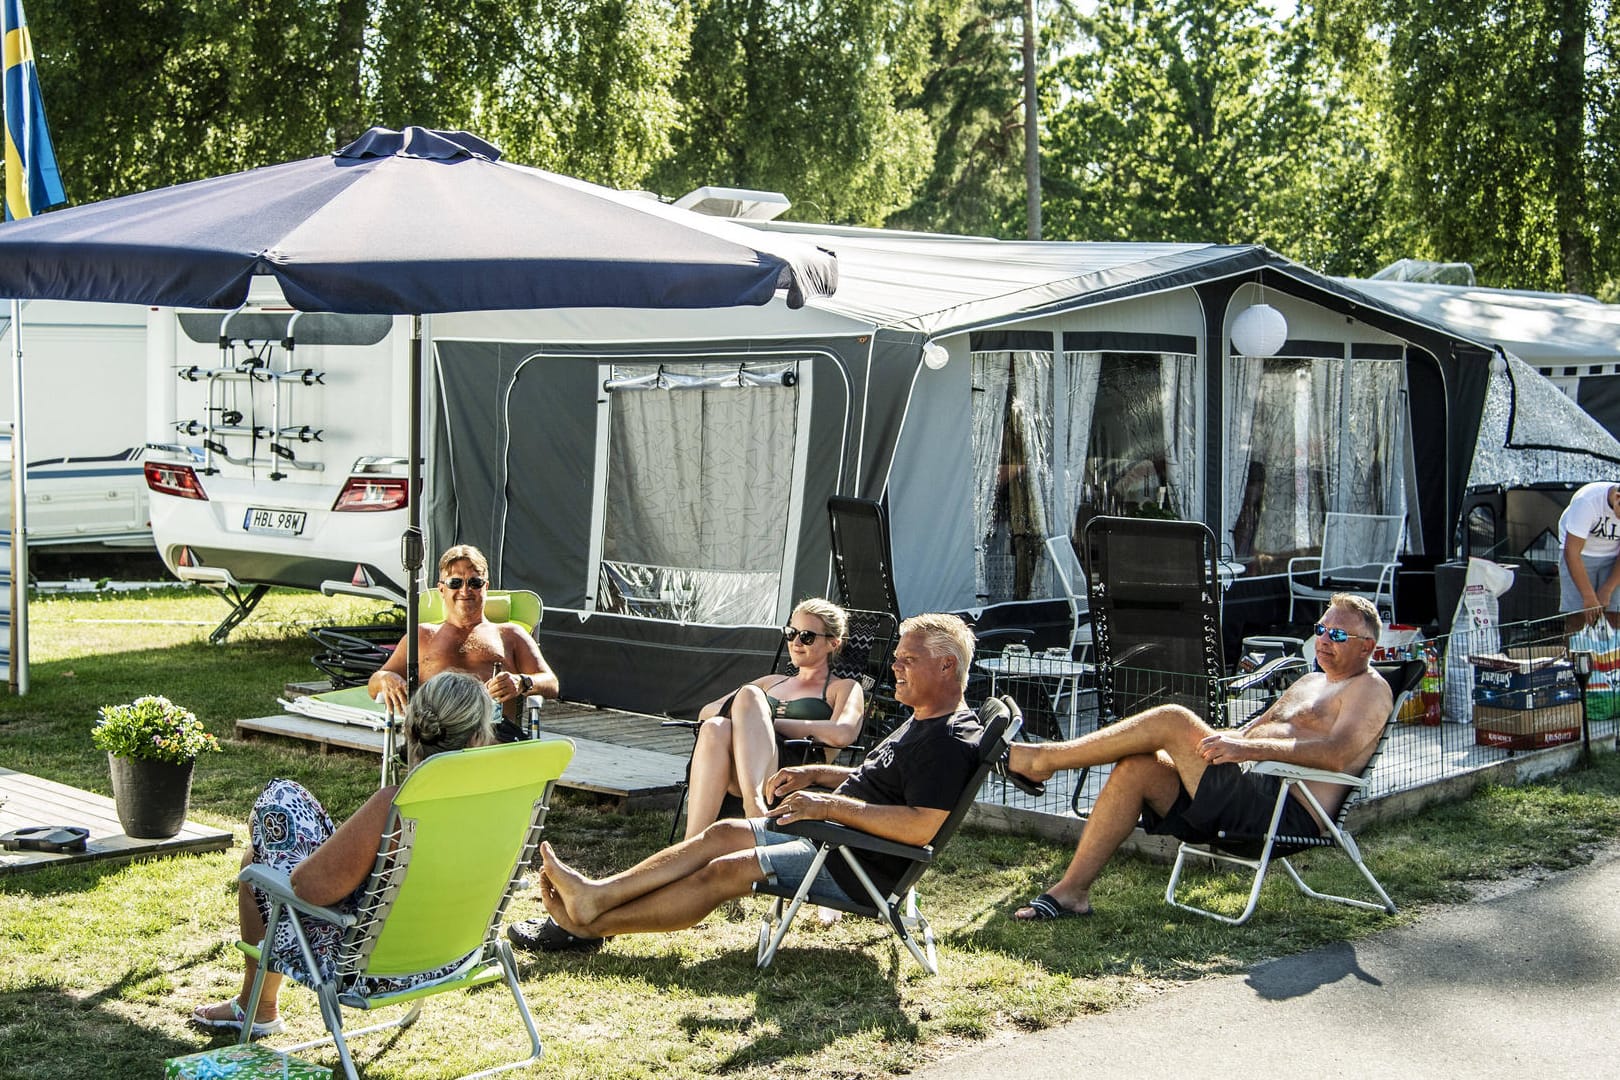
640, 777
32, 800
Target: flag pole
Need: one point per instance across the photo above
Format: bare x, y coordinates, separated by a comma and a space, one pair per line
19, 514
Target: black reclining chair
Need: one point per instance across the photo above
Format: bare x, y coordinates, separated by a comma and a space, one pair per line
1001, 720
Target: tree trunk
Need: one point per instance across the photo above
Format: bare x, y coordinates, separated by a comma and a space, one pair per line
349, 119
1568, 103
1032, 129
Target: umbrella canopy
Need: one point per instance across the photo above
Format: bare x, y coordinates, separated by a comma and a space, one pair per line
402, 223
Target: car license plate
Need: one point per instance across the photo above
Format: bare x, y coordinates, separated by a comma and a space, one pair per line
274, 522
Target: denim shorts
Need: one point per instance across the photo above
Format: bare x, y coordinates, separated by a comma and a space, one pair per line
1597, 570
784, 859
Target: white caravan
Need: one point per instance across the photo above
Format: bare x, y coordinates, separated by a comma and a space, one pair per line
83, 384
277, 447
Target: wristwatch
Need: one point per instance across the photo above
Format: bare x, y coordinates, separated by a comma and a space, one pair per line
524, 685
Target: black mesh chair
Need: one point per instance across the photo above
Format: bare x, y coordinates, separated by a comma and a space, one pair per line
863, 561
899, 909
867, 653
1256, 852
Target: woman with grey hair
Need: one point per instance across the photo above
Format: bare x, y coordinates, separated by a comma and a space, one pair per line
291, 831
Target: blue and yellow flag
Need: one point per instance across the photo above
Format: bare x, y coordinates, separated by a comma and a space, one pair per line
32, 182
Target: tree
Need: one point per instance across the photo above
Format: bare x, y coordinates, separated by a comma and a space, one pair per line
1187, 120
972, 98
803, 97
144, 93
1500, 114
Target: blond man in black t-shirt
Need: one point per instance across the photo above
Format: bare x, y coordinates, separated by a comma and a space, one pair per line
903, 791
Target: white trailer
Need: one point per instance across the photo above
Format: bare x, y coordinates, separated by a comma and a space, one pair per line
82, 386
277, 446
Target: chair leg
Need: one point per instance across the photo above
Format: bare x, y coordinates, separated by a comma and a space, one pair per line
774, 925
1258, 866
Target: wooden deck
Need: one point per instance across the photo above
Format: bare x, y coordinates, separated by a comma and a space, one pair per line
29, 800
626, 756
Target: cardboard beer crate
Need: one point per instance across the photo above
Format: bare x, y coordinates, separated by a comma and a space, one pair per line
243, 1063
1532, 668
1526, 729
1543, 697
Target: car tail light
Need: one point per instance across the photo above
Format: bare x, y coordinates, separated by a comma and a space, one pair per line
369, 493
177, 480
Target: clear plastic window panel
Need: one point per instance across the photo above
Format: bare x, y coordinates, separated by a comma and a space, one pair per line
700, 474
1305, 437
1056, 442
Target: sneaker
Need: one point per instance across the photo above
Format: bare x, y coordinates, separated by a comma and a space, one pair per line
544, 935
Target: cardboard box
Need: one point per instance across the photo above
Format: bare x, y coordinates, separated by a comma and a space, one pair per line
1542, 697
1526, 729
1523, 669
251, 1062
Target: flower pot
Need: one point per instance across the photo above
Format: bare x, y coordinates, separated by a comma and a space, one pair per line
151, 796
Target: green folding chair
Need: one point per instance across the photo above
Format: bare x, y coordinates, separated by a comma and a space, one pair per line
461, 834
500, 605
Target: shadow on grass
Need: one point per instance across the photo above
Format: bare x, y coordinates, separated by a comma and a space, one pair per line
801, 1004
103, 1043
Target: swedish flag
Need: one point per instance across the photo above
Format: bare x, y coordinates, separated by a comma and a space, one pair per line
32, 181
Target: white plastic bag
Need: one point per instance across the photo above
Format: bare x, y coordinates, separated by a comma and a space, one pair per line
1473, 631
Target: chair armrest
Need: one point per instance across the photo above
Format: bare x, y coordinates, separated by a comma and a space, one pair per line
691, 725
277, 884
830, 832
1315, 562
1239, 683
1301, 772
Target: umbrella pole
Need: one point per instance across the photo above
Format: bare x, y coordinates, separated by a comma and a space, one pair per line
411, 553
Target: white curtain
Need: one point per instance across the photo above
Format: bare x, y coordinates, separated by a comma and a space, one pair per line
1084, 370
1034, 500
1377, 438
1242, 400
992, 376
1178, 403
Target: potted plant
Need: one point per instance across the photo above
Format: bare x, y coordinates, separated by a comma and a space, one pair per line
151, 745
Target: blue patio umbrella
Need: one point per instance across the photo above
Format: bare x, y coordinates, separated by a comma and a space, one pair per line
405, 222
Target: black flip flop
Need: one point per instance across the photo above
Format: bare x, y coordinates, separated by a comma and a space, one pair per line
58, 839
1018, 780
1047, 908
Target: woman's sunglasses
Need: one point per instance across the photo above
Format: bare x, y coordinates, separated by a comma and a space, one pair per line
1333, 633
805, 637
472, 583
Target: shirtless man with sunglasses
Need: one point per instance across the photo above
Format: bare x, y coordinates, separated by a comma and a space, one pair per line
1179, 776
466, 641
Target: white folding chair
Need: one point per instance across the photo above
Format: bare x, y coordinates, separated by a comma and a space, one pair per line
1360, 554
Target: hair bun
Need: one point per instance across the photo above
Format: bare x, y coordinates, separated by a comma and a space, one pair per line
429, 728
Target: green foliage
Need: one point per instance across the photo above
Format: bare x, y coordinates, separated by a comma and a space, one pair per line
802, 97
973, 97
1185, 121
1501, 120
152, 728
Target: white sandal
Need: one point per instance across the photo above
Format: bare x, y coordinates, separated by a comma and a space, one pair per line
234, 1022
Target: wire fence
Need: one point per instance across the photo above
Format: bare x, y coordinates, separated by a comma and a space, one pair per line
1488, 694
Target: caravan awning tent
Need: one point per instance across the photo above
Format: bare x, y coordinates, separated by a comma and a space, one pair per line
661, 478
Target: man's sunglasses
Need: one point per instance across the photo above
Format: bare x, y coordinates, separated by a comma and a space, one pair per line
1333, 633
805, 637
472, 583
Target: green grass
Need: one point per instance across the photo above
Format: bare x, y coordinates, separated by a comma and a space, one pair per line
102, 964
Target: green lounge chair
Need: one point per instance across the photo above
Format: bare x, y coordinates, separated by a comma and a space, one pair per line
459, 839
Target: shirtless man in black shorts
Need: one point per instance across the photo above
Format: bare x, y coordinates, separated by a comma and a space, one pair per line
466, 641
904, 791
1180, 776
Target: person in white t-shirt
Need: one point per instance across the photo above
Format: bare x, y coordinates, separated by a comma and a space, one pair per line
1589, 570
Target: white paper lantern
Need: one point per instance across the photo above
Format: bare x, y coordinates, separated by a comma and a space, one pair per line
935, 356
1259, 330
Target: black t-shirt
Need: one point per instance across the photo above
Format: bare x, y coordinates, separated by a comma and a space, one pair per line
923, 763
